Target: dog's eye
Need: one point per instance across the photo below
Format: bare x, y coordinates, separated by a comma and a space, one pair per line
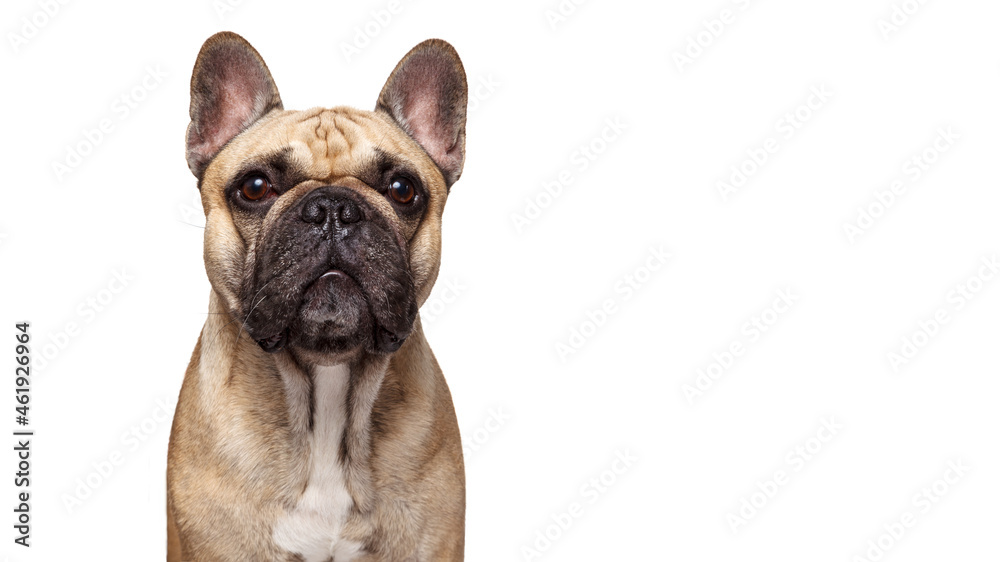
401, 190
255, 188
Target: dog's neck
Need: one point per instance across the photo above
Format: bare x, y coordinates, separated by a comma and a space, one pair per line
329, 413
328, 423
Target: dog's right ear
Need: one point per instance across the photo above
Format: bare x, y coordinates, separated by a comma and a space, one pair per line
231, 88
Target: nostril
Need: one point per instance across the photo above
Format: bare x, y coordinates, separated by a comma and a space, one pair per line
314, 212
349, 212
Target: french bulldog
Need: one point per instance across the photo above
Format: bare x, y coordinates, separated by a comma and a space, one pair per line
314, 423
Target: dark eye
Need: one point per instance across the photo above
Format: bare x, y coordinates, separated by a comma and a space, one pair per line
401, 190
256, 188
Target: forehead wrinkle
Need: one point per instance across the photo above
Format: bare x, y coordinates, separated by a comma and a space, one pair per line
348, 132
368, 121
323, 142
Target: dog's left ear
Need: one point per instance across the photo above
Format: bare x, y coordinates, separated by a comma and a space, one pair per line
427, 96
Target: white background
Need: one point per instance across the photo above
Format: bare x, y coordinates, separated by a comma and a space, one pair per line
544, 88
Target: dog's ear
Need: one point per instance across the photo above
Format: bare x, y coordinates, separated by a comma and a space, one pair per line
427, 95
231, 88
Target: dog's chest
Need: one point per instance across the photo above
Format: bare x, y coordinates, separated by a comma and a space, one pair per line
313, 527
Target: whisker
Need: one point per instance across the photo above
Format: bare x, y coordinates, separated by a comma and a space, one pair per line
201, 226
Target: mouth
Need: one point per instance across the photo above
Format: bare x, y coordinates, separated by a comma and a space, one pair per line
274, 343
334, 309
316, 306
323, 299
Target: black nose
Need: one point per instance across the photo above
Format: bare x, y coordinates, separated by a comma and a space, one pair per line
328, 205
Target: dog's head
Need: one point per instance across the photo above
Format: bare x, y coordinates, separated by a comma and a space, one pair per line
323, 226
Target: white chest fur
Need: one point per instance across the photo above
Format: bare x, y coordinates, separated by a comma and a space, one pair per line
312, 528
